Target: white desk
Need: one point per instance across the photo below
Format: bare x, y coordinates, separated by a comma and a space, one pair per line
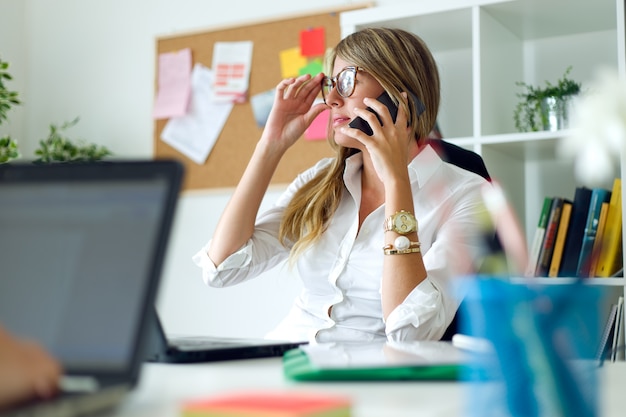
163, 388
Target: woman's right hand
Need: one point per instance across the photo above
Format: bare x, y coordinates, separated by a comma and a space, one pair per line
293, 110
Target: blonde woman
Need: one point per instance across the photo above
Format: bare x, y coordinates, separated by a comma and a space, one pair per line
379, 233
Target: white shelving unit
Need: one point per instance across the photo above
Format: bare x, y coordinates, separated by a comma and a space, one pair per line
482, 48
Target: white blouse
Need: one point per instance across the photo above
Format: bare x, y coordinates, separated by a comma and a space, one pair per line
344, 269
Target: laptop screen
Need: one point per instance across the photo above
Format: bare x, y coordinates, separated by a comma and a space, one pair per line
77, 258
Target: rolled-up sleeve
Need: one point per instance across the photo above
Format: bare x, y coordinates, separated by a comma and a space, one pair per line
419, 316
211, 273
262, 251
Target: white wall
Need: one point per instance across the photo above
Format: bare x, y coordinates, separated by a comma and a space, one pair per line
12, 50
96, 59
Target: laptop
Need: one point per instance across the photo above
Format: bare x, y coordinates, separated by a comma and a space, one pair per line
190, 349
81, 251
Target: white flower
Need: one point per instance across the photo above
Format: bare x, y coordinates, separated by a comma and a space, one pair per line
598, 125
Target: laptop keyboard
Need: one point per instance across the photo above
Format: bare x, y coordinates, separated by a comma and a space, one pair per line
191, 343
77, 384
71, 403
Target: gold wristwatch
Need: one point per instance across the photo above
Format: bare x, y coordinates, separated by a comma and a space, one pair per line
403, 222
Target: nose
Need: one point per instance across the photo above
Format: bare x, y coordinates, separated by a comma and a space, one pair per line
333, 99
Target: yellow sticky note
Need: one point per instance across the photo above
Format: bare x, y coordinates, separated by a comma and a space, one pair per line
291, 61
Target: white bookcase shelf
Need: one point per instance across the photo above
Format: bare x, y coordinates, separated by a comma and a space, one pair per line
482, 49
610, 282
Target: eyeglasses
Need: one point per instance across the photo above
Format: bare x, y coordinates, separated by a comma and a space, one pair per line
344, 81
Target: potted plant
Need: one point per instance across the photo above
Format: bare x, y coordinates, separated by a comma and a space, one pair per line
56, 147
59, 148
8, 99
545, 108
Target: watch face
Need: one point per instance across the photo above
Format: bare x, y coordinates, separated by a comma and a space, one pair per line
404, 223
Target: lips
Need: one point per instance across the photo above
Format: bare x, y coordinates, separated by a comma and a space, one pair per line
339, 121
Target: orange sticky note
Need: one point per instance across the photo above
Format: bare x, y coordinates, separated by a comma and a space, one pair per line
269, 404
319, 128
312, 42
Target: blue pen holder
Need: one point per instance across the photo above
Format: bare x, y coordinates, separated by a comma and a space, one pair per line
544, 339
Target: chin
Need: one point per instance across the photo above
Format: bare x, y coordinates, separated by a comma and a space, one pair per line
347, 141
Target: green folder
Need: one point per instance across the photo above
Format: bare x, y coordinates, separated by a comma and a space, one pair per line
298, 365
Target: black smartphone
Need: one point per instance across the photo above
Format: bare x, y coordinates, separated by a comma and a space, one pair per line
362, 125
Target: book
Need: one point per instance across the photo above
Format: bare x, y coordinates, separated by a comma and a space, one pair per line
597, 244
547, 246
620, 353
535, 247
598, 196
559, 243
610, 257
606, 340
573, 241
428, 360
269, 404
617, 330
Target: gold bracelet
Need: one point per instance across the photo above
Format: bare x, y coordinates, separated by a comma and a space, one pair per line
402, 245
390, 251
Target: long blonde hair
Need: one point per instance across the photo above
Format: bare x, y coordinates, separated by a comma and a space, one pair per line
401, 62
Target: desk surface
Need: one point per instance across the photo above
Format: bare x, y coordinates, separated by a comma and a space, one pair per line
164, 387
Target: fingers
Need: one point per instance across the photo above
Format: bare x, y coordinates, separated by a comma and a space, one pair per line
382, 120
45, 372
303, 87
282, 86
28, 371
312, 88
315, 111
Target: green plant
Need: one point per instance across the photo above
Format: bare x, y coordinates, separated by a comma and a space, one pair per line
58, 148
8, 149
528, 115
8, 99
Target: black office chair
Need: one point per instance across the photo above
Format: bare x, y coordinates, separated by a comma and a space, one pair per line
461, 157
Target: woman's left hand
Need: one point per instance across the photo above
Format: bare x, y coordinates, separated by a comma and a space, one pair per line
390, 144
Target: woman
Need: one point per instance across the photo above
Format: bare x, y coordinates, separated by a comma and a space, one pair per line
349, 224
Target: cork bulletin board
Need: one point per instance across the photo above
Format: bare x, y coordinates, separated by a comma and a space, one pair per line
235, 144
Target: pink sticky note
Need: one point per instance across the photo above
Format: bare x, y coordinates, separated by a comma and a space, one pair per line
319, 128
312, 42
174, 84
